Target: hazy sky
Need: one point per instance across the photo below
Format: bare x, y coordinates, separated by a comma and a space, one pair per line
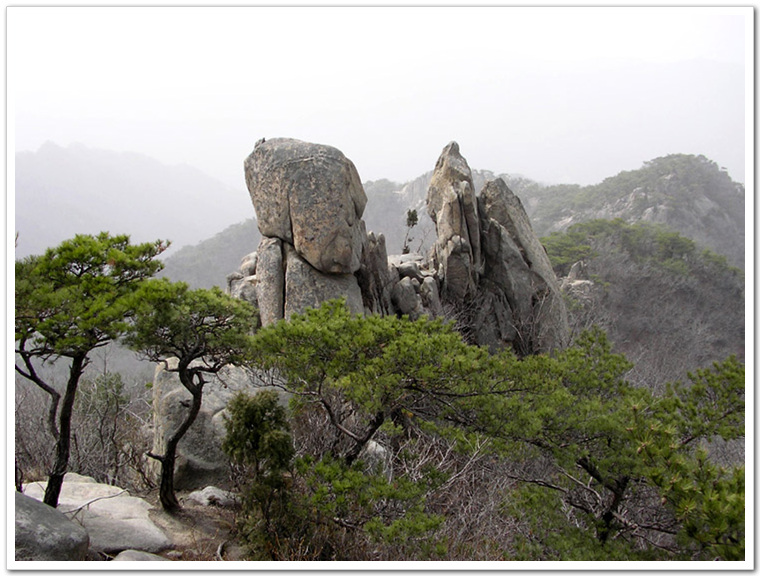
556, 94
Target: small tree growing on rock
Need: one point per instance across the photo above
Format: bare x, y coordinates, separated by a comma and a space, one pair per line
205, 330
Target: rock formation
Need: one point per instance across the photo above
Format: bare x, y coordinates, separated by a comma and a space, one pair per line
487, 271
453, 207
309, 201
487, 268
523, 302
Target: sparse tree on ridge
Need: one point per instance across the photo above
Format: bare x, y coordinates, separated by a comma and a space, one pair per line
68, 302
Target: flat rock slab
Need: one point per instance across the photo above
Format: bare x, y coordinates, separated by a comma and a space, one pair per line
138, 556
114, 520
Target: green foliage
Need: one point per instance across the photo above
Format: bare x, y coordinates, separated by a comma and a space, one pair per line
706, 499
371, 379
642, 242
389, 511
565, 249
258, 440
172, 320
76, 297
383, 366
411, 222
411, 218
593, 455
205, 330
621, 466
257, 433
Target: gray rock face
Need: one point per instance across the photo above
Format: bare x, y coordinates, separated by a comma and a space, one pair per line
306, 287
406, 298
518, 274
270, 280
310, 196
45, 533
376, 278
114, 520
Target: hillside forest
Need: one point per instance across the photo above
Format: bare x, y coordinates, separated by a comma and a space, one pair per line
384, 438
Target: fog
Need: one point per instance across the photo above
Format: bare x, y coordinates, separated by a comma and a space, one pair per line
555, 94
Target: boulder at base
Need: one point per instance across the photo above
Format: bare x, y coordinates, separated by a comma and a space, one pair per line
44, 533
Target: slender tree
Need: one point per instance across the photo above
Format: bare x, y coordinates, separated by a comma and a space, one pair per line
70, 301
205, 330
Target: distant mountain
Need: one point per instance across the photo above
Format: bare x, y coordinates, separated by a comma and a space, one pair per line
208, 263
61, 192
689, 194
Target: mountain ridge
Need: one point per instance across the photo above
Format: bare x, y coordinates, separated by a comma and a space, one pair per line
59, 193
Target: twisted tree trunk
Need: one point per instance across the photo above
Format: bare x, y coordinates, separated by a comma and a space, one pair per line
166, 492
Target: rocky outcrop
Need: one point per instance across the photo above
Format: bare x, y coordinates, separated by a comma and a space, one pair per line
45, 533
138, 556
492, 268
376, 278
487, 268
114, 520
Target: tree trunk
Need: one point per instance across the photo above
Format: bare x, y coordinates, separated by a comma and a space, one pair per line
63, 443
166, 493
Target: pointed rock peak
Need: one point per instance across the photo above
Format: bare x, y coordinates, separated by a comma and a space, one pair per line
453, 207
451, 162
452, 148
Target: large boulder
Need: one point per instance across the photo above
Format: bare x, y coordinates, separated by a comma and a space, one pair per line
453, 207
45, 533
310, 196
114, 520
